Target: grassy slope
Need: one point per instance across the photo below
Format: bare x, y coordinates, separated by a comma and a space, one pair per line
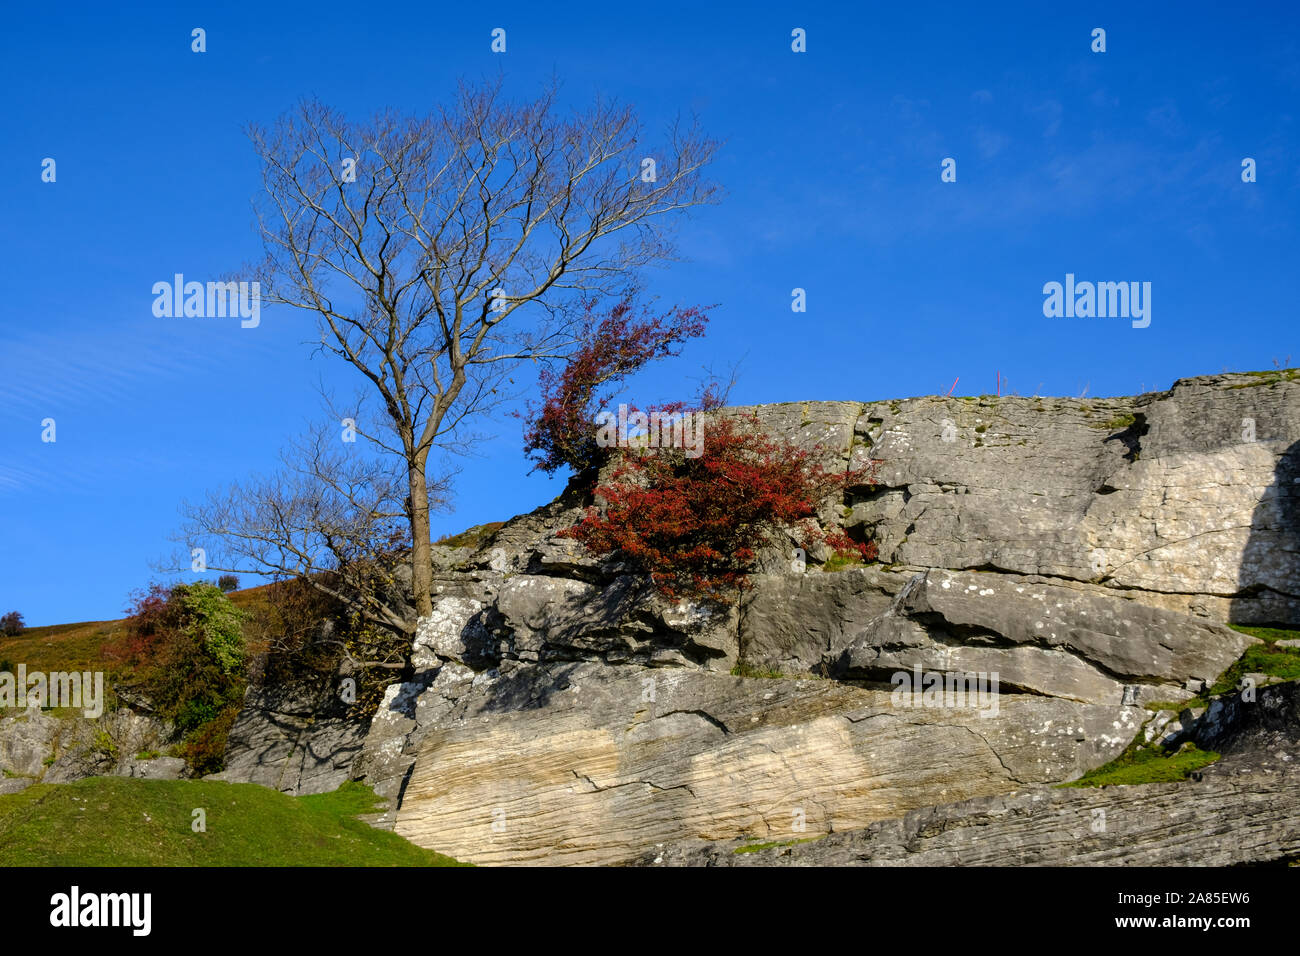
59, 647
116, 821
1147, 766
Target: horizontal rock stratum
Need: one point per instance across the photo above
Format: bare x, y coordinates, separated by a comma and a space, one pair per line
1087, 553
605, 761
1240, 810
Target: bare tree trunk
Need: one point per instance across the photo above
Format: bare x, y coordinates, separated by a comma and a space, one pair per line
421, 549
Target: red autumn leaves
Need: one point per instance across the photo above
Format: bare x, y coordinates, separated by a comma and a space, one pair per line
694, 525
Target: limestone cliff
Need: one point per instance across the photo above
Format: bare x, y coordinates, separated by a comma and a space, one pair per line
1089, 553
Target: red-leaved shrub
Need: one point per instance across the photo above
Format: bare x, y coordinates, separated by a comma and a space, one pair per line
562, 432
695, 525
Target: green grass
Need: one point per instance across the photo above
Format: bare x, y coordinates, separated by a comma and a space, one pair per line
1269, 634
1280, 662
1120, 422
118, 821
1148, 765
1268, 378
838, 562
1152, 764
471, 537
1177, 706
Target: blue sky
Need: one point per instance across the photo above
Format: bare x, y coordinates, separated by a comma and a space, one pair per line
1123, 165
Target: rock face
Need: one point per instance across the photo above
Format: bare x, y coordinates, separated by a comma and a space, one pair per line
1063, 639
1244, 809
295, 738
586, 763
39, 747
1187, 498
1218, 822
1073, 559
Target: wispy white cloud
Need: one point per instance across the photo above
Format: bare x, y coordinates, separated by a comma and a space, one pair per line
42, 369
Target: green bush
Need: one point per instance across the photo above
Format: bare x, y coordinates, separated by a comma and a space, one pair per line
184, 649
104, 743
211, 620
204, 749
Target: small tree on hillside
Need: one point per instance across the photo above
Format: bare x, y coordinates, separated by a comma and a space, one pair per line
11, 624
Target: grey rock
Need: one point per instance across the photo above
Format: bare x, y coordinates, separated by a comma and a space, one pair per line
1226, 822
14, 784
1064, 639
1244, 810
156, 768
1068, 488
63, 749
540, 617
396, 730
792, 623
452, 632
25, 741
589, 763
295, 738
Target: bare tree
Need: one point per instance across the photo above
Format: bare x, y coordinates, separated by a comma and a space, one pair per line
335, 518
438, 252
